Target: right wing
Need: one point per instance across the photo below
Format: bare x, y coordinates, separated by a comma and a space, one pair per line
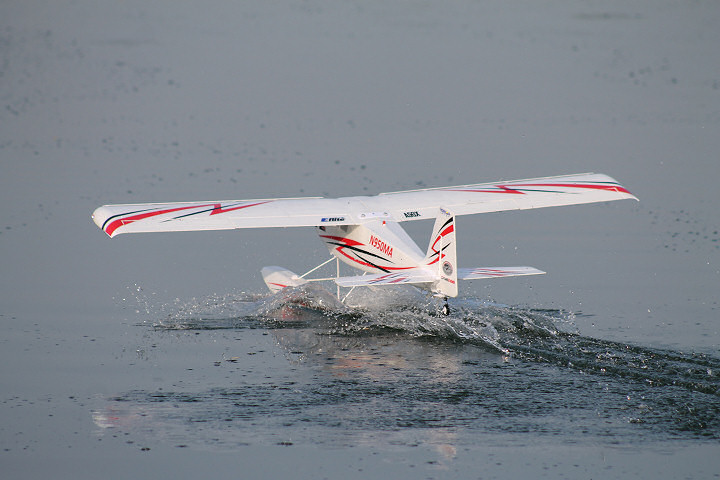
218, 215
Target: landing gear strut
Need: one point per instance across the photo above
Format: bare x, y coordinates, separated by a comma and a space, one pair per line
445, 308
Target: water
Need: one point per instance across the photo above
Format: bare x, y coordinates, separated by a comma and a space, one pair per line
399, 374
606, 367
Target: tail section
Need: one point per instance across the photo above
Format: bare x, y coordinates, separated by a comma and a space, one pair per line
442, 254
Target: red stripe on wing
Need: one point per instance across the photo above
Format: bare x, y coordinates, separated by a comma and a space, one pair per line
217, 208
514, 188
115, 224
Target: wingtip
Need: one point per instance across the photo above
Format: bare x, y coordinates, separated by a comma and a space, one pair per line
630, 195
99, 217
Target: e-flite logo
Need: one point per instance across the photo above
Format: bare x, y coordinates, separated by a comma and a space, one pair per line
333, 219
380, 245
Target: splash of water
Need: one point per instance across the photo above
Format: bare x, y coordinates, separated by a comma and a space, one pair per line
364, 312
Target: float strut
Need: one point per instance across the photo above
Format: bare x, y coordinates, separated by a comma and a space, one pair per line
445, 307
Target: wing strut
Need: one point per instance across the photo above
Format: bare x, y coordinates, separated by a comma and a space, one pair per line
319, 266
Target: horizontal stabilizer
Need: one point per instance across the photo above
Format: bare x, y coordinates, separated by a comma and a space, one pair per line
496, 272
277, 278
419, 276
396, 278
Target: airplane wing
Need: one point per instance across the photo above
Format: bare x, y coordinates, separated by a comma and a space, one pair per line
502, 196
219, 215
394, 206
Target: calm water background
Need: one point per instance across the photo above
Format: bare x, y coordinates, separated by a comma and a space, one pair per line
161, 355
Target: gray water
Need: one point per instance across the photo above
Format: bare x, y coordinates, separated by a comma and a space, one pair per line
401, 373
163, 355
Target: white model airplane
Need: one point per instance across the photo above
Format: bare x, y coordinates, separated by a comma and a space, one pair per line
365, 232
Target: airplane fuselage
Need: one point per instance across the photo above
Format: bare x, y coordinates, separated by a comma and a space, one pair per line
374, 247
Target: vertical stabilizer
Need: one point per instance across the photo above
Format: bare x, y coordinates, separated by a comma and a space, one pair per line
442, 254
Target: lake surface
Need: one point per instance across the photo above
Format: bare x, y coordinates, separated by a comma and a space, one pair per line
402, 374
164, 356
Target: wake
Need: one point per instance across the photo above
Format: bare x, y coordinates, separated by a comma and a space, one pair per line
529, 334
365, 312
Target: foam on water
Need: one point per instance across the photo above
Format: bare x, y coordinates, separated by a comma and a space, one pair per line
400, 309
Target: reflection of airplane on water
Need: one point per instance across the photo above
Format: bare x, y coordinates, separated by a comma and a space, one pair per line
365, 232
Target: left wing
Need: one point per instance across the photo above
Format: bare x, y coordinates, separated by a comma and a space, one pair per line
503, 196
396, 206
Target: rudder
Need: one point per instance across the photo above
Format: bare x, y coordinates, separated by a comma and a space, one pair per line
442, 254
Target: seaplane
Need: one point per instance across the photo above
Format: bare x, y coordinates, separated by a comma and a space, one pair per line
365, 232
